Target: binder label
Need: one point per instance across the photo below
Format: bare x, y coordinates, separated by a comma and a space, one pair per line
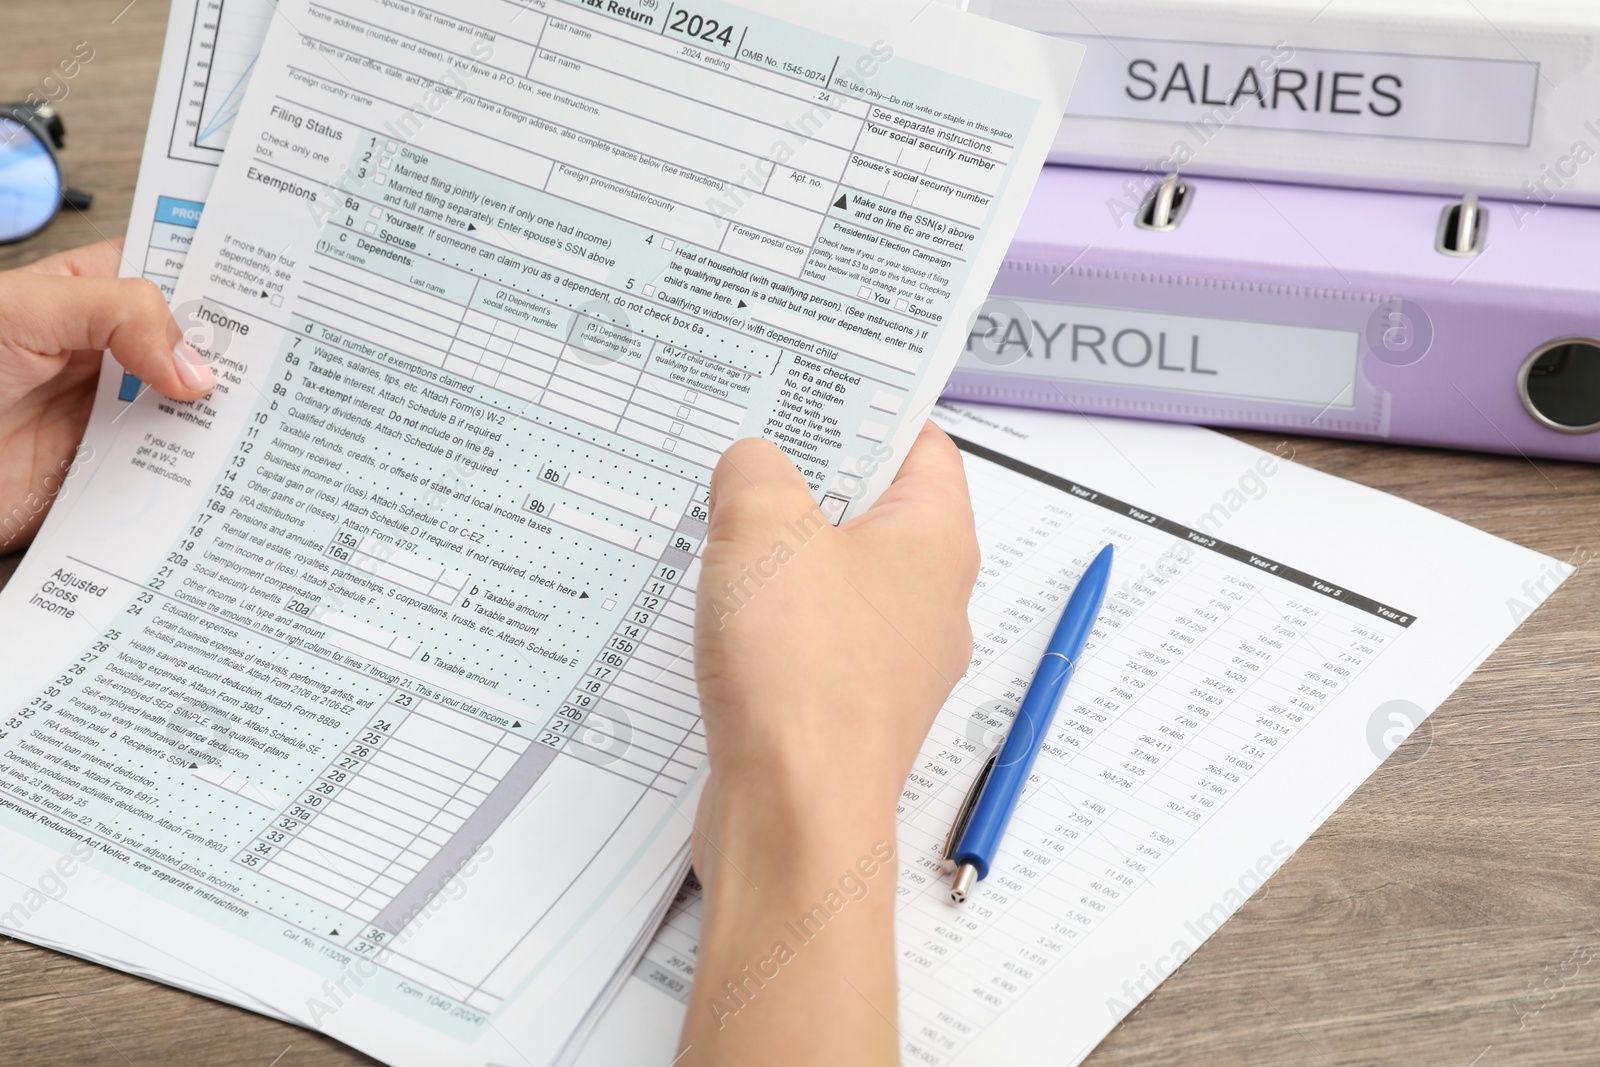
1207, 87
1306, 365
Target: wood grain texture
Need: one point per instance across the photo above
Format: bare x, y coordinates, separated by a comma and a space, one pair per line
105, 107
1432, 920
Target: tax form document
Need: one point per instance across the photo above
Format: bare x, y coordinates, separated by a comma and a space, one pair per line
1271, 634
365, 683
205, 67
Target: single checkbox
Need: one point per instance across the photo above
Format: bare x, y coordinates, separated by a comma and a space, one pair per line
677, 428
393, 147
683, 411
608, 603
379, 179
900, 305
649, 290
377, 212
372, 227
384, 162
864, 293
668, 244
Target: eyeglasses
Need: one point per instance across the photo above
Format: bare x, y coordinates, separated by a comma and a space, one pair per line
33, 187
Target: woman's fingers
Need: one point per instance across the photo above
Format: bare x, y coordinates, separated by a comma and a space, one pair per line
90, 261
755, 483
932, 466
929, 496
44, 317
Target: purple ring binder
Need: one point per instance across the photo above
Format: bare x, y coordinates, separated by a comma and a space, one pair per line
1298, 308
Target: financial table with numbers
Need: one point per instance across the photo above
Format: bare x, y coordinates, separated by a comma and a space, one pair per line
1208, 660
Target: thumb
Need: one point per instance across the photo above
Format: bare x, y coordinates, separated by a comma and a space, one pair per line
755, 487
44, 318
931, 485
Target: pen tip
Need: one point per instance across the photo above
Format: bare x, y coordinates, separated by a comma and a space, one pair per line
966, 877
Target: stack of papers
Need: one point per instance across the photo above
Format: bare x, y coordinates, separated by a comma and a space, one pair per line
361, 692
377, 710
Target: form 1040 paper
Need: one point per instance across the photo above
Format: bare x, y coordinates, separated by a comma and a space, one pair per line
1262, 649
366, 682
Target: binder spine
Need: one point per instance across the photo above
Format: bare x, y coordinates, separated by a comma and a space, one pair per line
1297, 309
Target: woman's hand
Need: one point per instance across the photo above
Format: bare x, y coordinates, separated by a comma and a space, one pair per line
823, 653
822, 656
56, 317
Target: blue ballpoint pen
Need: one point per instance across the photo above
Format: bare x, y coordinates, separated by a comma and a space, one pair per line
981, 823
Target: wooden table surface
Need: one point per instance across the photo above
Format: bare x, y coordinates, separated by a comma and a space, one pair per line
1448, 914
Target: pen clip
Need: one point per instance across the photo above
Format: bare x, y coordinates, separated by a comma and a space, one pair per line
964, 816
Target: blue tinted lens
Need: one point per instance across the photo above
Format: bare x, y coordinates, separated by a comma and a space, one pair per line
30, 181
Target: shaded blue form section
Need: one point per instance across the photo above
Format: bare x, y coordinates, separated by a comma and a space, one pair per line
174, 212
170, 211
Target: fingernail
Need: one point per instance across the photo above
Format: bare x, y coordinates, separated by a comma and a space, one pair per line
192, 368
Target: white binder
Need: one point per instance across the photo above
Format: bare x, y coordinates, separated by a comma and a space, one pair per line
1498, 97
